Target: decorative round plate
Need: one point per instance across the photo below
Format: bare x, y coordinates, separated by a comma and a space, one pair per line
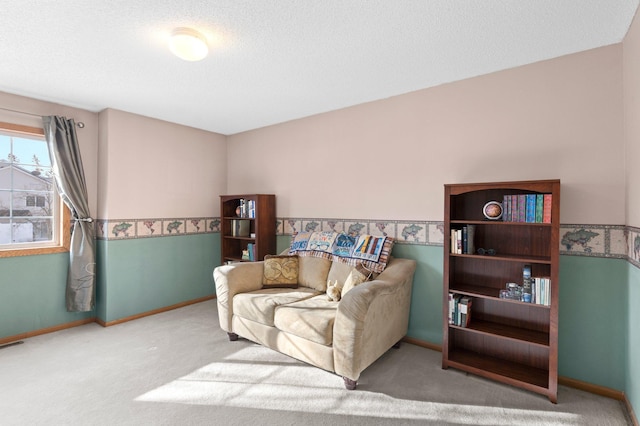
492, 210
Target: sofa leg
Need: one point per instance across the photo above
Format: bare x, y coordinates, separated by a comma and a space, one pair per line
397, 345
349, 384
232, 337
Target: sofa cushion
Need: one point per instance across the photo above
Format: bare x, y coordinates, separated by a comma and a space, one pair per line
313, 272
311, 319
260, 305
280, 271
368, 250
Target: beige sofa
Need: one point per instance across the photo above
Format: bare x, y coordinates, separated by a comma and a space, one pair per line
343, 337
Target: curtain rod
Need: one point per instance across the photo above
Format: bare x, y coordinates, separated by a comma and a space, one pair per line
79, 123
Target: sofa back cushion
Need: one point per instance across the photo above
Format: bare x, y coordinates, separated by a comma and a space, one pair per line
339, 272
313, 272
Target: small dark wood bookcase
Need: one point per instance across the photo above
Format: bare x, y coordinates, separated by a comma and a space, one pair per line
258, 228
505, 340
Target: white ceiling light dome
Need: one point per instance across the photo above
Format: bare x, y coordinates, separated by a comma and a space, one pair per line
188, 44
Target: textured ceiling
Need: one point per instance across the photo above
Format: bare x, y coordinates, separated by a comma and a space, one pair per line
276, 60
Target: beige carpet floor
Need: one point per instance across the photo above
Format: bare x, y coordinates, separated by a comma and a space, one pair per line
178, 368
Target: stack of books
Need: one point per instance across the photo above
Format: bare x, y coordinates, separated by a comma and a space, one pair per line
462, 240
533, 208
460, 310
249, 253
247, 208
541, 291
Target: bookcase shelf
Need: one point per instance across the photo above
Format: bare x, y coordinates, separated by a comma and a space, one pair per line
506, 258
506, 331
506, 340
509, 372
487, 222
239, 238
489, 293
259, 230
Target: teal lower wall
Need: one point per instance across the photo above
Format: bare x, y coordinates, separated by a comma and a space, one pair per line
133, 276
282, 243
425, 317
593, 320
32, 294
143, 274
633, 339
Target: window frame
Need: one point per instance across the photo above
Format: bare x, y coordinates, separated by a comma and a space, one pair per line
64, 215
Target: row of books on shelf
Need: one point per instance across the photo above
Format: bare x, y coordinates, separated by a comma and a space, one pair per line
247, 209
460, 309
533, 208
541, 291
534, 289
462, 240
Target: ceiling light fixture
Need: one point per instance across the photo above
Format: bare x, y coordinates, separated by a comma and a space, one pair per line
188, 44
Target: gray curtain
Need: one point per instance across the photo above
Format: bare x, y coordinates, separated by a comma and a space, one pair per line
66, 162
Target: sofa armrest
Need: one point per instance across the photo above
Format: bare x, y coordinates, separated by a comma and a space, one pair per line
241, 277
372, 317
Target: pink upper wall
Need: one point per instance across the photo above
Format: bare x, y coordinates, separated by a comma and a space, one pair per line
389, 159
631, 61
155, 169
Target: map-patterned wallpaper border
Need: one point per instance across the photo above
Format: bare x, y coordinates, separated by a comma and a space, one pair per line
122, 229
610, 241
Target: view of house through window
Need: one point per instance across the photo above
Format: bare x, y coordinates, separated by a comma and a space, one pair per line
29, 203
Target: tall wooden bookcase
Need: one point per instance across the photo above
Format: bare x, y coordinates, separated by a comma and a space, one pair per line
240, 230
506, 340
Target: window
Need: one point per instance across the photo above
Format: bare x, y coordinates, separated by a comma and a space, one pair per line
35, 200
33, 219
